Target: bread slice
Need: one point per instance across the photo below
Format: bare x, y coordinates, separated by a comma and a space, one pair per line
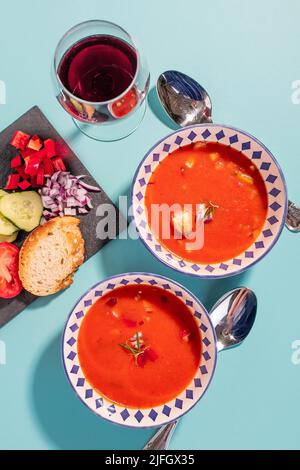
50, 255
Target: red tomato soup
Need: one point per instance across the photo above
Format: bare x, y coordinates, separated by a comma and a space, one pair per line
139, 346
227, 188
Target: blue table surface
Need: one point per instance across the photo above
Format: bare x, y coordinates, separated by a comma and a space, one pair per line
247, 56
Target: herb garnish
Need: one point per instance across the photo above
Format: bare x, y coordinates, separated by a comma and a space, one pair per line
206, 211
135, 347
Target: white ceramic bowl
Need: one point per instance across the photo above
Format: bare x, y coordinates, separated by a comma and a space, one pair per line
134, 417
269, 170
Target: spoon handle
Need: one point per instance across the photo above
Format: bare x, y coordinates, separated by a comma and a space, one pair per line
293, 217
161, 440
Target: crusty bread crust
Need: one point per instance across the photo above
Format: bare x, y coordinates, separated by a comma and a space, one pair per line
50, 255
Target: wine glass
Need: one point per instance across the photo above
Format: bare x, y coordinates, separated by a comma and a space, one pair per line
102, 79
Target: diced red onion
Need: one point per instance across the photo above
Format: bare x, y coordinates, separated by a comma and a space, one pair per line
65, 194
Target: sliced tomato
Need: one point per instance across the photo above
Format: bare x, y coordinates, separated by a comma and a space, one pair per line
10, 283
125, 104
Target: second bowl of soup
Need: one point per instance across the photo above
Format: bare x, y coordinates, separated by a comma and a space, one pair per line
139, 349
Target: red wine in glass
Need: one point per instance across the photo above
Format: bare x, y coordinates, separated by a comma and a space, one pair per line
98, 68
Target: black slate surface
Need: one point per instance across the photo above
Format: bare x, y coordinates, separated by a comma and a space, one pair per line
34, 122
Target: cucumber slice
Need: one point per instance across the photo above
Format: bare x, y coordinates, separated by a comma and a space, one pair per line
6, 227
23, 209
8, 238
2, 193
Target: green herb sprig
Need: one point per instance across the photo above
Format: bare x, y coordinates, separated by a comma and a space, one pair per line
135, 351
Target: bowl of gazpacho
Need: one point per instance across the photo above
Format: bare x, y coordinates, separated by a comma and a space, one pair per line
209, 200
139, 349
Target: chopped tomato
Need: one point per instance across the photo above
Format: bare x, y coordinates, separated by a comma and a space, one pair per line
48, 167
20, 140
58, 164
35, 143
12, 181
25, 184
40, 177
27, 152
50, 147
36, 160
151, 354
125, 104
16, 161
129, 323
32, 165
10, 284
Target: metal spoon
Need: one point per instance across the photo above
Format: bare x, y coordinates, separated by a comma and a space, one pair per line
232, 317
187, 103
184, 100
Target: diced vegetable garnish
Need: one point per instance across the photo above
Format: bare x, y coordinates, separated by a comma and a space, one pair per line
151, 354
34, 161
12, 182
58, 164
16, 161
50, 147
190, 163
20, 140
26, 152
129, 323
41, 154
25, 184
21, 171
206, 211
32, 164
66, 194
35, 143
48, 167
40, 177
140, 352
245, 178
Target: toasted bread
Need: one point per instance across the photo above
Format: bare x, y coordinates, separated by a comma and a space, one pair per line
50, 255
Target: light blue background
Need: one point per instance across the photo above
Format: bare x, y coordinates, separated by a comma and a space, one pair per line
247, 55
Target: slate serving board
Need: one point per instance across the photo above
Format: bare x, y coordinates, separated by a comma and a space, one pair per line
34, 122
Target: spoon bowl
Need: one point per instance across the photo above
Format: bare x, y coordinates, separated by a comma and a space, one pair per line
184, 99
232, 316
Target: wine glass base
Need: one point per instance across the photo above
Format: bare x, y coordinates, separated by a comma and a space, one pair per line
117, 130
